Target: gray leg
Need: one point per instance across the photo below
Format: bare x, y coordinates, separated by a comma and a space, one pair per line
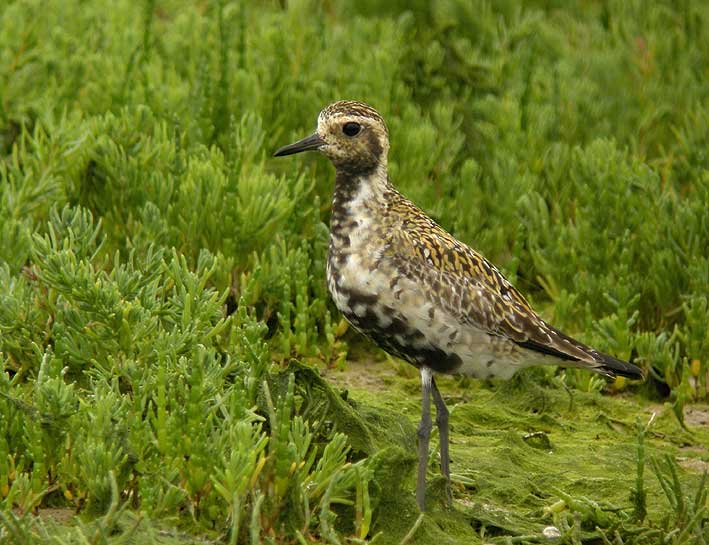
424, 435
442, 423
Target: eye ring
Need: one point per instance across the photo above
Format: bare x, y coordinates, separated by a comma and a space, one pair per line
351, 128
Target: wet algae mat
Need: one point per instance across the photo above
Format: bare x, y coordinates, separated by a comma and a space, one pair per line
525, 456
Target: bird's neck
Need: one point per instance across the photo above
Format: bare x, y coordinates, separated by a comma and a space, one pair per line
357, 196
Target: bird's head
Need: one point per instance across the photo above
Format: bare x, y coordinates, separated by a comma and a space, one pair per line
351, 134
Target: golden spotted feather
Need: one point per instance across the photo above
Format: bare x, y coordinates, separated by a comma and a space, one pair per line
484, 298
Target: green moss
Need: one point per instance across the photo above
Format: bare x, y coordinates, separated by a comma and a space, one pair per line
517, 450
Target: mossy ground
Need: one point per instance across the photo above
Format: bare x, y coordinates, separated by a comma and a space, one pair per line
519, 448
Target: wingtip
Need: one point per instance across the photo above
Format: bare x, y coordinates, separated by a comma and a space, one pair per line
613, 367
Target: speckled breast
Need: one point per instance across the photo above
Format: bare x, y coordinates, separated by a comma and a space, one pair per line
370, 289
364, 288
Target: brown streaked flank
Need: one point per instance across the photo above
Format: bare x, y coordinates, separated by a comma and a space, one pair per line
415, 290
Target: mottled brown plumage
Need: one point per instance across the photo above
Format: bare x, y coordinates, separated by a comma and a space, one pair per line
414, 289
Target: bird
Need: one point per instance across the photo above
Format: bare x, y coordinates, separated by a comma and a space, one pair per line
415, 290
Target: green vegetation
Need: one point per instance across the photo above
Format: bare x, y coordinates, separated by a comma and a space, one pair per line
164, 320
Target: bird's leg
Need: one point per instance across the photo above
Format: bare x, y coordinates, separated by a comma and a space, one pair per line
442, 423
424, 435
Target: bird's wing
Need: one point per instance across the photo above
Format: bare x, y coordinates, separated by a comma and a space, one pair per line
477, 294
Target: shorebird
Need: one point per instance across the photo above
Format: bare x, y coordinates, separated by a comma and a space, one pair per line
416, 291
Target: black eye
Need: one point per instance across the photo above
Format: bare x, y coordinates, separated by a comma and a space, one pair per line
351, 128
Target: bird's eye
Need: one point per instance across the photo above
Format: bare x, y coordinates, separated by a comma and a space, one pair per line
351, 128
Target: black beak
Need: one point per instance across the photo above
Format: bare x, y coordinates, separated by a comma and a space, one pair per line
306, 144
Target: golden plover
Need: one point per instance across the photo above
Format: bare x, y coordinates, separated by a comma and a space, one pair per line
415, 290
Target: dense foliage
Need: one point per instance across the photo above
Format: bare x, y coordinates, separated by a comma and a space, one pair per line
158, 269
